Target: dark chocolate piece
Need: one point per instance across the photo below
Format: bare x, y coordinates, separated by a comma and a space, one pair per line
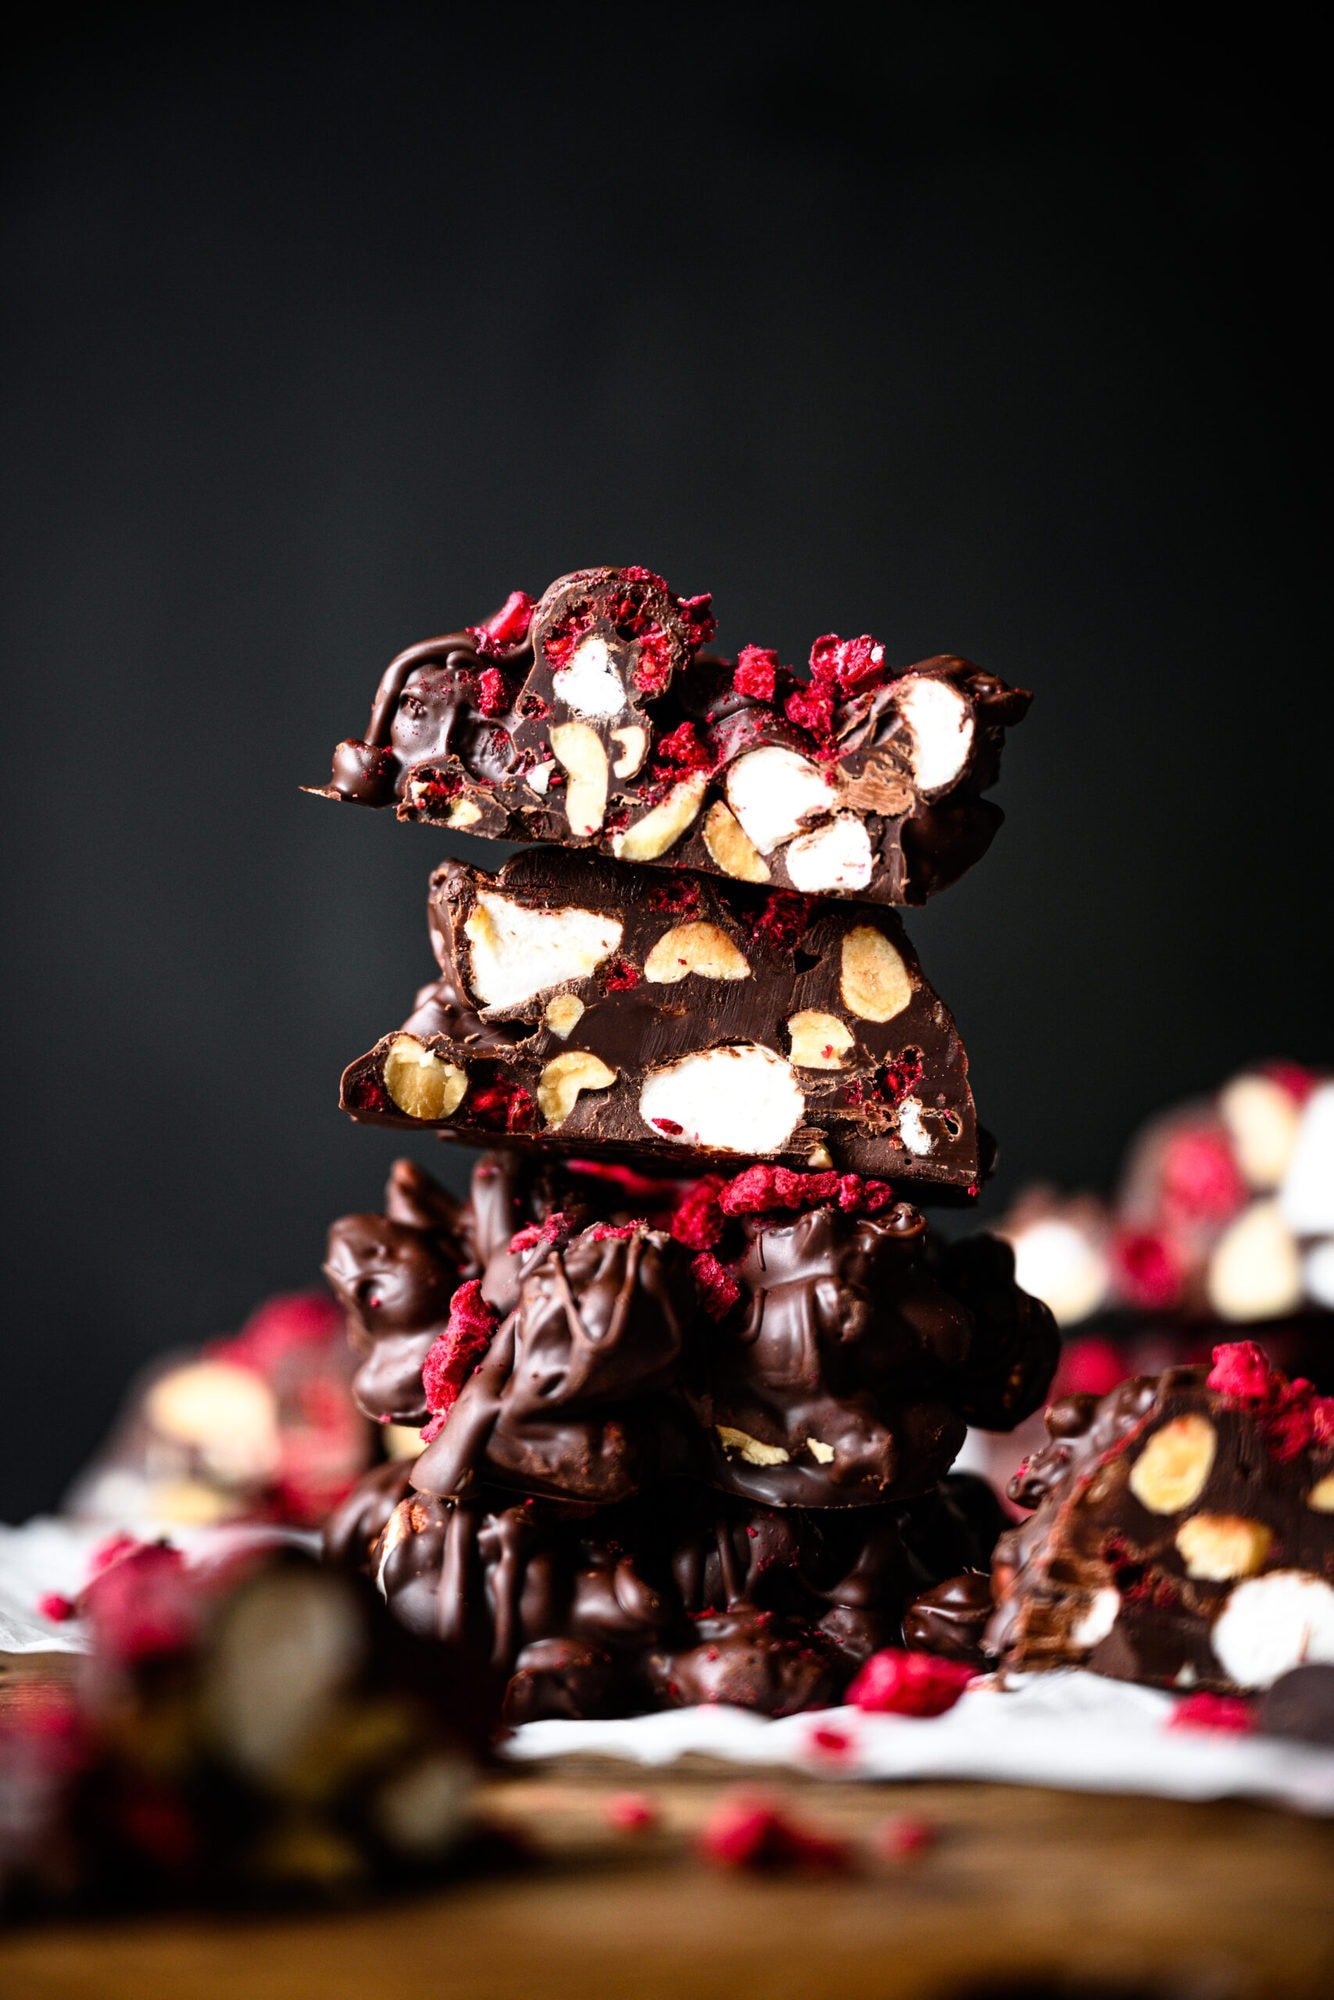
246, 1732
952, 1617
599, 723
354, 1527
749, 1659
619, 1010
1183, 1532
1301, 1704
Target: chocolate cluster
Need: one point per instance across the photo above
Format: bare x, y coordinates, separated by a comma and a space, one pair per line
730, 1408
594, 718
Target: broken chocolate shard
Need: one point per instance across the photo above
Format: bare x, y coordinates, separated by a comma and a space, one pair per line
599, 722
675, 1018
1182, 1533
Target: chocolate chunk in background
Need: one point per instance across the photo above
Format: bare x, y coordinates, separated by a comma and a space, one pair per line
594, 719
1300, 1704
253, 1731
1182, 1532
952, 1617
616, 1610
254, 1427
678, 1018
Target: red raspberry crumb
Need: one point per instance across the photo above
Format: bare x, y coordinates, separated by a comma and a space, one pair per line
699, 1221
1200, 1177
501, 1106
756, 672
113, 1550
896, 1682
720, 1287
903, 1838
749, 1831
679, 897
762, 1187
697, 613
555, 1230
632, 1812
1147, 1268
1298, 1081
451, 1358
653, 667
619, 1232
493, 696
683, 747
638, 1187
57, 1608
810, 708
668, 1125
1229, 1714
852, 665
1241, 1369
505, 628
621, 976
1089, 1367
281, 1326
837, 1745
143, 1604
786, 918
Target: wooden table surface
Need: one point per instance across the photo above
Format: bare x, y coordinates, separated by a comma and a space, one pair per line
1022, 1886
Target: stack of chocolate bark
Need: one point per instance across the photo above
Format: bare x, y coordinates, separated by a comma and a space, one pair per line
689, 1366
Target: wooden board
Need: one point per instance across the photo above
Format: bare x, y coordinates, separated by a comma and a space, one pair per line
1204, 1902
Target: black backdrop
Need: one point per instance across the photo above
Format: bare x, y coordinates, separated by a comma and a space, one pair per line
326, 327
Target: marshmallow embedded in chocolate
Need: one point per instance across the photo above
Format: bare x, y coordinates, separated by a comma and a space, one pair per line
1180, 1535
595, 719
616, 1010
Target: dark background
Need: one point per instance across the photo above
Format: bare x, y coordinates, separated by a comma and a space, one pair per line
328, 327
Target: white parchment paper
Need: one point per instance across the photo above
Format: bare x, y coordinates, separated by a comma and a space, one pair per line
1075, 1731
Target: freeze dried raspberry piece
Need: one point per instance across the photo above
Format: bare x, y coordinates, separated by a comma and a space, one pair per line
763, 1188
451, 1359
1183, 1532
719, 1288
894, 1682
699, 1220
756, 673
853, 665
506, 630
1228, 1714
597, 721
752, 1833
